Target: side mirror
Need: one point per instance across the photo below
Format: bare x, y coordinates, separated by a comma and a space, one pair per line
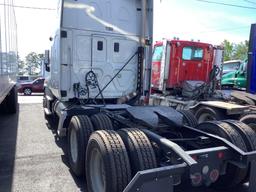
236, 74
47, 60
242, 72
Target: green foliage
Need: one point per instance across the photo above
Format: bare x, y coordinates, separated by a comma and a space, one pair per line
21, 67
31, 65
234, 51
228, 50
241, 50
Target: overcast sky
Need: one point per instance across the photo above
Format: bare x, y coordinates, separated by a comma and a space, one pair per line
186, 19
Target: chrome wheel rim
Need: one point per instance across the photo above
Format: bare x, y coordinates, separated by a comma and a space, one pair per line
97, 172
73, 145
27, 91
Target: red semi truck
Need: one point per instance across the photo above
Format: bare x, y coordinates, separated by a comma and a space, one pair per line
186, 75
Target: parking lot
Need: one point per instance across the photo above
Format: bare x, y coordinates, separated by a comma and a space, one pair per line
32, 158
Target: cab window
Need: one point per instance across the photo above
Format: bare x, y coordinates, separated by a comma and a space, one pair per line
36, 82
192, 53
158, 52
231, 66
39, 81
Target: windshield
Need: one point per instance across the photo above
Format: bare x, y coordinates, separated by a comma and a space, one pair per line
158, 52
231, 66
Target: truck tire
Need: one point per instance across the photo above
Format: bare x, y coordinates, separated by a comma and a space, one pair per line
101, 121
248, 134
107, 163
249, 137
79, 131
249, 119
12, 101
234, 175
209, 114
227, 87
189, 118
140, 151
27, 91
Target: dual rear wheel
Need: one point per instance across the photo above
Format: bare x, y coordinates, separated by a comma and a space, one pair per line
108, 158
189, 118
113, 158
243, 137
249, 119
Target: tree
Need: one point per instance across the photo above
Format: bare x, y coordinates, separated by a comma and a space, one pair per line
228, 50
21, 66
241, 50
235, 51
33, 63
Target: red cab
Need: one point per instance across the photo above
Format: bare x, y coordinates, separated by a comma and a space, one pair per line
176, 61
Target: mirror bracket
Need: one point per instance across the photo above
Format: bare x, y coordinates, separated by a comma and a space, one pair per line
47, 60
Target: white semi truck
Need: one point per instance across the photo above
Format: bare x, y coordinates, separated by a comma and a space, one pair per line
8, 58
99, 68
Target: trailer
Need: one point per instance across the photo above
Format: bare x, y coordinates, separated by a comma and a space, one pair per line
250, 97
8, 59
99, 66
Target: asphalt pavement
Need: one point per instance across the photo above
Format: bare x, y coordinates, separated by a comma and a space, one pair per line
32, 158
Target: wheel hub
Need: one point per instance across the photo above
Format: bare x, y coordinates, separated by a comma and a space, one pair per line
27, 91
97, 172
73, 145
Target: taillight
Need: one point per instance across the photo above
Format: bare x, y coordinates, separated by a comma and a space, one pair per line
220, 155
194, 157
214, 175
196, 179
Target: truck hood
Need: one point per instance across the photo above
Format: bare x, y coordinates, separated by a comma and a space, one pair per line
229, 75
224, 72
228, 78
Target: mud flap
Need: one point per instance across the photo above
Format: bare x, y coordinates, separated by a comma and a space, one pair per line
159, 179
252, 181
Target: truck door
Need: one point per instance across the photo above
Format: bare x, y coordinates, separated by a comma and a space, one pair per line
156, 66
195, 63
38, 85
192, 63
240, 76
183, 64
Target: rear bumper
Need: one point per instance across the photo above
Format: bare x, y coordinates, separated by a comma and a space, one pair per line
165, 178
159, 179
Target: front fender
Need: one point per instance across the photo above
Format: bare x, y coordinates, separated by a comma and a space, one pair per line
228, 81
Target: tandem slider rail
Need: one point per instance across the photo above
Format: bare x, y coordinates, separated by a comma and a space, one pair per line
164, 179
